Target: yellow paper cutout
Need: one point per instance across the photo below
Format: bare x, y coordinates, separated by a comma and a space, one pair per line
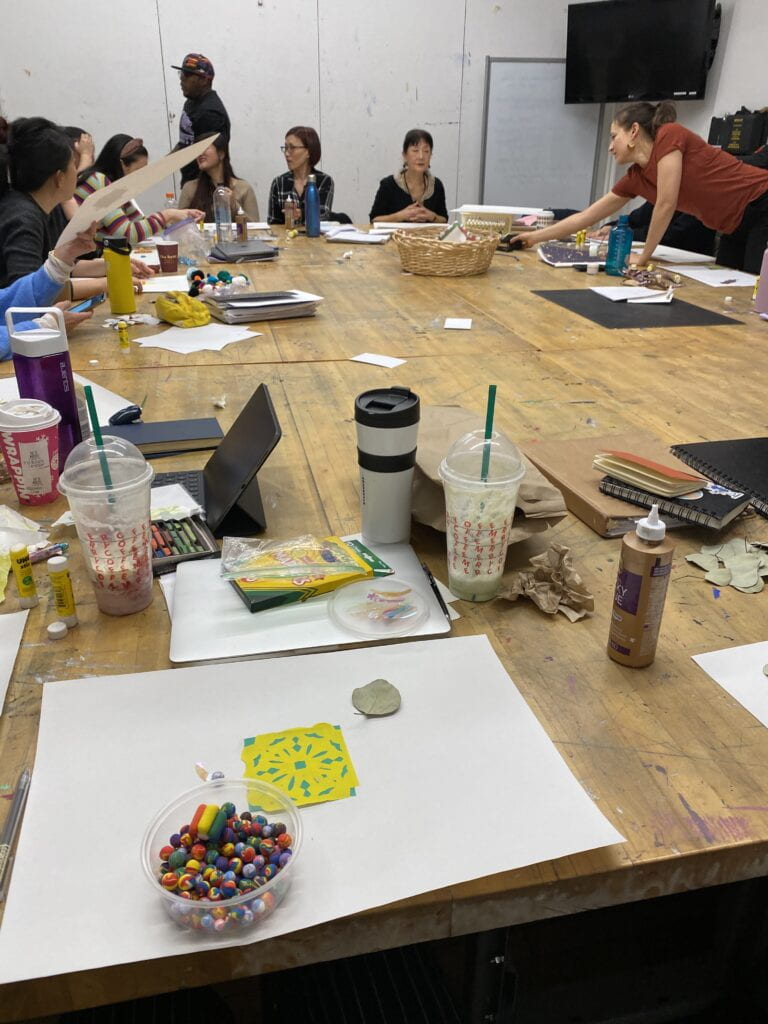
5, 568
310, 764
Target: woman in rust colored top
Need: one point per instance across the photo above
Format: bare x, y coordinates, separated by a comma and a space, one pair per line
675, 169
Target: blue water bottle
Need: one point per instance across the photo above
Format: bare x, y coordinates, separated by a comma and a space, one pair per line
619, 247
312, 208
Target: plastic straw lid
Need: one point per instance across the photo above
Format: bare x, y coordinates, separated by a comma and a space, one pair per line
489, 409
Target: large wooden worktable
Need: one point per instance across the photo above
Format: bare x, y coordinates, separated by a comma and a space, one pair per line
677, 765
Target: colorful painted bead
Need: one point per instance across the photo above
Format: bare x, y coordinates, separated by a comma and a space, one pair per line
284, 840
198, 851
219, 926
258, 863
228, 888
236, 865
247, 854
239, 847
186, 882
246, 816
186, 840
177, 859
166, 852
260, 819
175, 840
222, 863
269, 871
214, 894
228, 850
206, 921
215, 877
266, 846
285, 856
202, 888
266, 831
249, 870
192, 866
274, 857
169, 881
278, 828
211, 856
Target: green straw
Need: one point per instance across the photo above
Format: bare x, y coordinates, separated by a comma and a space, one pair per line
97, 435
488, 431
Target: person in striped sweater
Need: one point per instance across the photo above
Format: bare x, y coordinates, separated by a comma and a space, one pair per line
119, 156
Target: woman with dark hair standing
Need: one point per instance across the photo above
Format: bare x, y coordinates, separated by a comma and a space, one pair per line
413, 193
675, 169
302, 154
216, 171
121, 155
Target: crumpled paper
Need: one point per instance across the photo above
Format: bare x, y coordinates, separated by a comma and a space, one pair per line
552, 584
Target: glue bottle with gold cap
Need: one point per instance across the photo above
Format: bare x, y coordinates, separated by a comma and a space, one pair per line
117, 256
645, 564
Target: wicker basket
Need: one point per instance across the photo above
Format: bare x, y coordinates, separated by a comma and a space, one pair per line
422, 253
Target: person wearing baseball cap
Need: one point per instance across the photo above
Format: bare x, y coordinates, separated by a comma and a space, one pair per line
203, 112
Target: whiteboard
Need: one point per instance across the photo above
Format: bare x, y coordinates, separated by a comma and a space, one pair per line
537, 151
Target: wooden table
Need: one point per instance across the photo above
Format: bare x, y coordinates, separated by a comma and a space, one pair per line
677, 765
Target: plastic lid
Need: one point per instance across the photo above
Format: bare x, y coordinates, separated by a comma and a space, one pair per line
651, 527
464, 461
38, 341
25, 413
119, 245
623, 219
84, 470
378, 608
387, 407
56, 630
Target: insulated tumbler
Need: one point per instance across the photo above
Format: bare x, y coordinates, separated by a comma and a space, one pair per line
387, 422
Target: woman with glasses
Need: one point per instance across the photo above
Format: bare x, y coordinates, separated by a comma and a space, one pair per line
215, 172
121, 155
413, 193
302, 154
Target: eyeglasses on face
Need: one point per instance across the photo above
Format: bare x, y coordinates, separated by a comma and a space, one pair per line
291, 149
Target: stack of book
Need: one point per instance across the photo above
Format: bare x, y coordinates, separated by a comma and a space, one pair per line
247, 307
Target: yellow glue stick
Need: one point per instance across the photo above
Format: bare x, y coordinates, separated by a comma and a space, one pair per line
61, 585
25, 581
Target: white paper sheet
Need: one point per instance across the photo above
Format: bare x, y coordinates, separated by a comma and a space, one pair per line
623, 293
166, 283
464, 743
717, 277
222, 627
11, 630
209, 337
669, 254
105, 200
739, 670
458, 323
377, 360
107, 402
348, 233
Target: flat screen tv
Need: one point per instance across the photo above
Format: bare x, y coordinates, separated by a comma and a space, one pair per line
639, 50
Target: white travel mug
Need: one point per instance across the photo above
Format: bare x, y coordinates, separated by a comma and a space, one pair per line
387, 422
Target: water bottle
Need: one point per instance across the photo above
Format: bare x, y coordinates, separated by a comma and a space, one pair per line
619, 247
222, 215
117, 256
44, 371
170, 201
312, 208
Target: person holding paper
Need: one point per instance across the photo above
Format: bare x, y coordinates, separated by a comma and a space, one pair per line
41, 287
38, 172
675, 169
203, 112
216, 168
413, 193
121, 155
302, 154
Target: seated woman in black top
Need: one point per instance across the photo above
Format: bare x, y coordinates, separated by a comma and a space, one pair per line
302, 152
413, 193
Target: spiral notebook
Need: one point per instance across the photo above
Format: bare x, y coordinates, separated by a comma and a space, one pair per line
713, 507
741, 464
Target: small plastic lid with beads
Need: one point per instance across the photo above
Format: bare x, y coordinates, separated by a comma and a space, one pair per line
377, 608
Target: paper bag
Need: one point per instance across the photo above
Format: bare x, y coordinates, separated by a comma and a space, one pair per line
539, 503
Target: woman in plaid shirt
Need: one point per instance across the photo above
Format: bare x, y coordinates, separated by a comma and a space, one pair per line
302, 153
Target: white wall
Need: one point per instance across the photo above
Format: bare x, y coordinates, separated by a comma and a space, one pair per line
360, 71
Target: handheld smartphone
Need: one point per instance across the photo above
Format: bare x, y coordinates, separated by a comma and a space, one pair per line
86, 304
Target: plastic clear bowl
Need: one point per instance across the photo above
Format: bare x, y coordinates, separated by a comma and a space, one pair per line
241, 912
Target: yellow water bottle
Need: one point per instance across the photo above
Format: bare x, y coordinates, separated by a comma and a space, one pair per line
117, 255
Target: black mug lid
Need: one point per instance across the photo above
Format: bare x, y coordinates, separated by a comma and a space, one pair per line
387, 407
119, 245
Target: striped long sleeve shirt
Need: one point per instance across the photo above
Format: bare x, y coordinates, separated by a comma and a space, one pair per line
126, 221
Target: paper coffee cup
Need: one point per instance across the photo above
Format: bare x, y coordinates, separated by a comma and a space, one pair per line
29, 439
168, 254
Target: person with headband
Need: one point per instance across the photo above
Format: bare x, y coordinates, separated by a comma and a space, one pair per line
121, 155
675, 169
413, 193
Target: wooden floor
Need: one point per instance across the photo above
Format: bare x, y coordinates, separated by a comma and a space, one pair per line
677, 765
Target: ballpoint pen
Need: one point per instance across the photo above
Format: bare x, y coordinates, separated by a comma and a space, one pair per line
12, 828
436, 591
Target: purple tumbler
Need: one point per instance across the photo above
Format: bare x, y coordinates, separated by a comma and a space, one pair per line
44, 371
